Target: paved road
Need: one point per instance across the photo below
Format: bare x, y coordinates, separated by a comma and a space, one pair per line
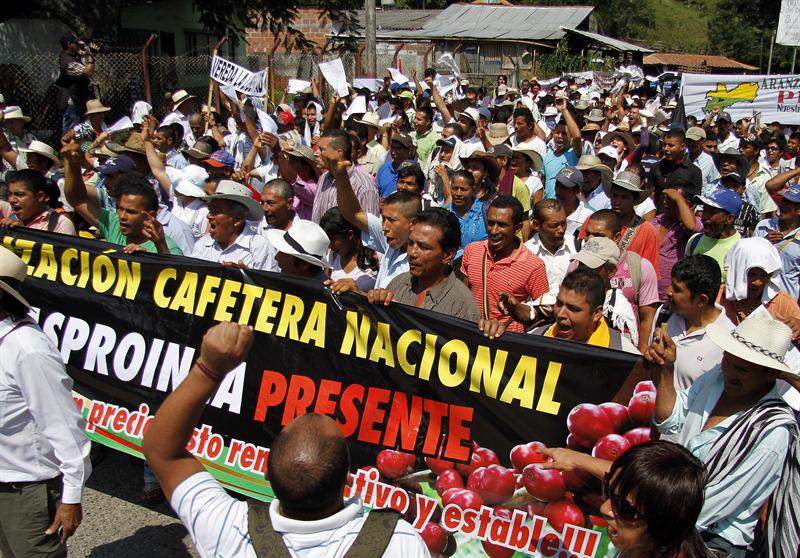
116, 525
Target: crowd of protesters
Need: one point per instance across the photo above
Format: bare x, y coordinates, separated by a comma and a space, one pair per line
564, 211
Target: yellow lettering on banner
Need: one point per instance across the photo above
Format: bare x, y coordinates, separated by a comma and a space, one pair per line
67, 257
447, 375
522, 385
207, 294
406, 339
159, 296
48, 265
486, 372
356, 334
22, 248
382, 346
184, 295
251, 294
546, 403
128, 278
85, 274
290, 316
226, 300
103, 274
314, 332
426, 365
267, 311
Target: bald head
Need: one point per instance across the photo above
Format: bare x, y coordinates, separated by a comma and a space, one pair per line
308, 465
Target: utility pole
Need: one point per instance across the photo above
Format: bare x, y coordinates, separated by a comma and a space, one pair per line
771, 48
369, 37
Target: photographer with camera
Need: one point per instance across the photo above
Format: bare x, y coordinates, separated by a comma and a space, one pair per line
76, 66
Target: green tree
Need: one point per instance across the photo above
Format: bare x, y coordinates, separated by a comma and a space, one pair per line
743, 29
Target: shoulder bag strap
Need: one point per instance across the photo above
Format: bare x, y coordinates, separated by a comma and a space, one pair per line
266, 542
485, 284
630, 233
782, 246
374, 536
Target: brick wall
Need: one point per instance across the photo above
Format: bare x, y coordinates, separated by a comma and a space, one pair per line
310, 21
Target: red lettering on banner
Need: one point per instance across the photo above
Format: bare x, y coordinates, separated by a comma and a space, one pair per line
784, 96
373, 414
325, 405
403, 422
298, 398
353, 393
270, 394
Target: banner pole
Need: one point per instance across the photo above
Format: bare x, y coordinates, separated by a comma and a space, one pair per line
771, 48
211, 81
794, 58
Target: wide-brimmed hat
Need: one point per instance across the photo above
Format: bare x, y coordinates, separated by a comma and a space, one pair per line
628, 181
200, 150
595, 115
15, 113
742, 164
593, 163
304, 240
134, 144
370, 119
759, 339
550, 112
621, 135
94, 106
302, 152
180, 96
41, 148
488, 161
471, 113
530, 151
497, 133
591, 127
192, 181
12, 273
233, 191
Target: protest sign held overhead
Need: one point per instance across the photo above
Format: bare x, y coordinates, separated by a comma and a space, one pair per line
241, 79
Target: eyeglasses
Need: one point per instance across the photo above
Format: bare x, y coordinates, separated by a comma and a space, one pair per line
622, 509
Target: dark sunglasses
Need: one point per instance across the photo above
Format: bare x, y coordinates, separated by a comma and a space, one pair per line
623, 509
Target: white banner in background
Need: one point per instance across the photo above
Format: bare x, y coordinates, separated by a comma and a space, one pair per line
789, 23
241, 79
776, 97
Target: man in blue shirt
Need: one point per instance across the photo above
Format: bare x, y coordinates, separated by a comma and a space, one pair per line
567, 140
401, 149
784, 233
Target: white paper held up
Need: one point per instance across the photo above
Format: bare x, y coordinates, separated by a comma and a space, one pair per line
333, 70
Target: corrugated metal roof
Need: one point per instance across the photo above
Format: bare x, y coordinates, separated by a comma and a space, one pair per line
399, 19
696, 60
610, 42
499, 23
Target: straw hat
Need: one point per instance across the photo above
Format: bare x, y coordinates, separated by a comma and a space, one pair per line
239, 193
94, 106
370, 119
180, 96
41, 148
12, 273
530, 151
304, 240
621, 135
492, 168
759, 339
628, 181
15, 113
497, 134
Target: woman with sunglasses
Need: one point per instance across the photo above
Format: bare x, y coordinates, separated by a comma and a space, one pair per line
652, 497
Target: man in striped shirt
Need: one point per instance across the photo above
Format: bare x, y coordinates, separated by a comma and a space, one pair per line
502, 264
308, 466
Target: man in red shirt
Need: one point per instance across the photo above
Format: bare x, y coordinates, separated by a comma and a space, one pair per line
638, 235
502, 264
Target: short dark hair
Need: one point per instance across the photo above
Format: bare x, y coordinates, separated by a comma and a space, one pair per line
667, 484
12, 306
609, 219
429, 72
701, 274
177, 133
33, 180
340, 140
675, 133
412, 169
410, 202
711, 135
779, 140
134, 184
284, 189
587, 282
168, 131
549, 204
446, 221
506, 202
466, 175
427, 111
524, 112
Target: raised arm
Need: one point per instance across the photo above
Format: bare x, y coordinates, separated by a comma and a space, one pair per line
327, 120
74, 188
345, 196
777, 182
157, 166
573, 131
224, 347
441, 106
6, 151
662, 355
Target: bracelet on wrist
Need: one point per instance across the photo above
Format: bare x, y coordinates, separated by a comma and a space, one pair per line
208, 372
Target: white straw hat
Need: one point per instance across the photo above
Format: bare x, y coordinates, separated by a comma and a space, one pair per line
305, 240
233, 191
180, 96
192, 181
759, 339
12, 273
41, 148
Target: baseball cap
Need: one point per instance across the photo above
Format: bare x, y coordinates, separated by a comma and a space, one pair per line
484, 112
569, 177
695, 133
221, 158
447, 142
737, 177
724, 116
609, 151
121, 163
722, 198
285, 117
792, 193
597, 251
404, 139
406, 94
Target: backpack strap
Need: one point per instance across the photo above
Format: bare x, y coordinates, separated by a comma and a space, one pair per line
635, 266
265, 540
633, 228
52, 221
374, 536
615, 338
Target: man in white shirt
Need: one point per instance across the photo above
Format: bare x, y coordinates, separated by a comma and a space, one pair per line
595, 176
695, 138
44, 462
552, 245
308, 467
181, 111
231, 240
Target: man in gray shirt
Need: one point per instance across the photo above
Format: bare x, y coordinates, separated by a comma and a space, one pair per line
430, 282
